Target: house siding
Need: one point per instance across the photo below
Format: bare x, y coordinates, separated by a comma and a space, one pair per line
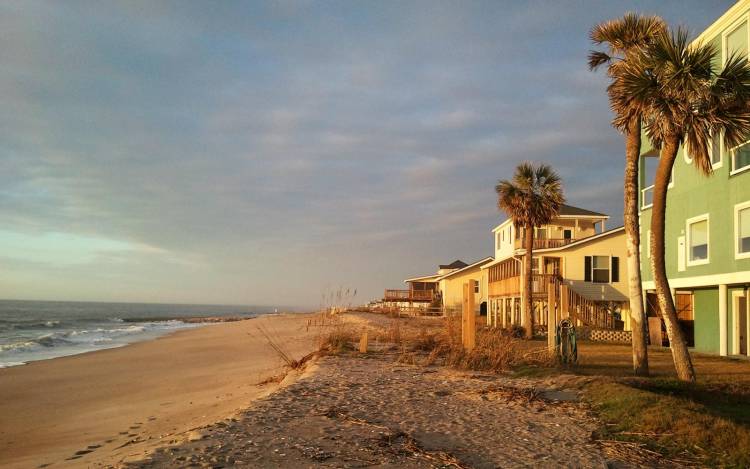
694, 194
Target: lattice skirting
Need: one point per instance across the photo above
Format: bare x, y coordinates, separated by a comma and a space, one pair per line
604, 335
594, 335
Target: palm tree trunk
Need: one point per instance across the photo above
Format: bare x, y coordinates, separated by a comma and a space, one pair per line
528, 292
633, 243
680, 354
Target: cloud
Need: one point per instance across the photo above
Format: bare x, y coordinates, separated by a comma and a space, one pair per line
254, 153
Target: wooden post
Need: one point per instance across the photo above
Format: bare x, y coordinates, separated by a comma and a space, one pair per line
471, 319
464, 314
363, 342
551, 322
564, 311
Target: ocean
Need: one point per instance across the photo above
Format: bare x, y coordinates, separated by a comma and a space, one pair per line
39, 330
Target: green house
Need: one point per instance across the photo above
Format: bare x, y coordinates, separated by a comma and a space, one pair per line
707, 226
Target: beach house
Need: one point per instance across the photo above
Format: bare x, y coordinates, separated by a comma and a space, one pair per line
423, 293
707, 230
451, 286
576, 251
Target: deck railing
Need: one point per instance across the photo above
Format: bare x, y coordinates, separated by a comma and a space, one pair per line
409, 295
511, 286
590, 313
547, 243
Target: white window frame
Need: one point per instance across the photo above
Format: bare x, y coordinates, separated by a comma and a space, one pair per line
731, 160
721, 152
689, 160
688, 244
727, 31
609, 269
477, 287
743, 19
737, 208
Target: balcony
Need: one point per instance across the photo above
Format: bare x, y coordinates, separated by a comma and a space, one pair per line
546, 243
409, 295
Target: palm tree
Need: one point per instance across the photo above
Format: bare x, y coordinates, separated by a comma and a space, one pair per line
627, 38
683, 98
532, 198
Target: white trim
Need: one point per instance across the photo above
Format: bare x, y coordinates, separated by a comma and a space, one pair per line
728, 17
736, 241
648, 245
720, 163
423, 279
698, 281
643, 197
581, 241
688, 245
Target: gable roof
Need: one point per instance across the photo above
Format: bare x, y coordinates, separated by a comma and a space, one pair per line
457, 264
570, 211
426, 278
566, 211
478, 263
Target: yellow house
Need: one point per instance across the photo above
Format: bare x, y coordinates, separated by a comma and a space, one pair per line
451, 286
592, 265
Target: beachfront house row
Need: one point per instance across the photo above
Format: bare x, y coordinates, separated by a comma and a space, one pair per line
707, 226
575, 250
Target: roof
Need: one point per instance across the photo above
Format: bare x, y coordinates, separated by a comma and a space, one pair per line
426, 278
570, 211
566, 211
457, 264
463, 269
596, 291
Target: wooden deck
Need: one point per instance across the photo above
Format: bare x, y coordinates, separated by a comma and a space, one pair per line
409, 295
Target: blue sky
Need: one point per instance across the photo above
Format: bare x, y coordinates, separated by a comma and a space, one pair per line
264, 152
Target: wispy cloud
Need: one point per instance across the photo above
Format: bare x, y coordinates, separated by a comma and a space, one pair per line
255, 152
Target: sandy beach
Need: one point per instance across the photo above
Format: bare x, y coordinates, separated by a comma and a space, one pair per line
100, 408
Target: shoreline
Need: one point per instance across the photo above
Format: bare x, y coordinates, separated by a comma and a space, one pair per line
186, 323
106, 406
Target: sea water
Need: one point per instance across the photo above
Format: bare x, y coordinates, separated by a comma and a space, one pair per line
38, 330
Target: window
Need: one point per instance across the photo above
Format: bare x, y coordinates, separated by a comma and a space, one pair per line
535, 265
541, 233
597, 269
567, 234
600, 269
715, 150
476, 286
735, 41
697, 242
740, 157
498, 240
742, 230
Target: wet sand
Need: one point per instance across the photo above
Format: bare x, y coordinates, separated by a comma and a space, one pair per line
101, 408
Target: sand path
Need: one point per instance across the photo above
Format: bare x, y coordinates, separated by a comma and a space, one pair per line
102, 407
372, 412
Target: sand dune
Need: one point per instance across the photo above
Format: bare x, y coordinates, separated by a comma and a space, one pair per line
112, 405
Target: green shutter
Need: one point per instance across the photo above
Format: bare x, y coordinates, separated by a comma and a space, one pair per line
587, 269
615, 269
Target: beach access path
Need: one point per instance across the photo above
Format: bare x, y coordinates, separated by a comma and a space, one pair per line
371, 411
100, 408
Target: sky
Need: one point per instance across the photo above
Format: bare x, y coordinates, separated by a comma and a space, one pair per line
265, 153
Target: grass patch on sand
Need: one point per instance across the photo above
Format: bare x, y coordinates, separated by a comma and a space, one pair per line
707, 423
677, 420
